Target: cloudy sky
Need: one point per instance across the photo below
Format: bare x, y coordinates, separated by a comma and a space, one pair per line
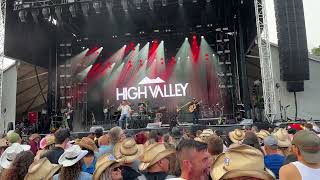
312, 20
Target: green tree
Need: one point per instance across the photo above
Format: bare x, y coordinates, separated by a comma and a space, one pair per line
316, 51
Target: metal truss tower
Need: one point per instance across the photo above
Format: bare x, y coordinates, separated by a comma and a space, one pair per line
268, 84
2, 28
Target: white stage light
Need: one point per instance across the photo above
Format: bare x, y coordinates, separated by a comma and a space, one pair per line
72, 9
124, 4
151, 5
186, 39
46, 13
213, 55
180, 2
194, 1
138, 4
164, 2
22, 15
85, 9
97, 7
202, 37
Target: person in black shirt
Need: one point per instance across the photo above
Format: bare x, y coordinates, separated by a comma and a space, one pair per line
61, 140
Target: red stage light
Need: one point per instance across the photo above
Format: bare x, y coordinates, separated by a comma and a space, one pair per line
207, 54
207, 59
194, 37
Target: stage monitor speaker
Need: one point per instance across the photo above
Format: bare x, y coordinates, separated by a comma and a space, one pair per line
292, 40
295, 86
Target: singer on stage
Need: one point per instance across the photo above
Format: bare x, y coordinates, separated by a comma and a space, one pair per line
125, 113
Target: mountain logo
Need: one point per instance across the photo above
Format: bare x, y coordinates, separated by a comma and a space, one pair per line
147, 80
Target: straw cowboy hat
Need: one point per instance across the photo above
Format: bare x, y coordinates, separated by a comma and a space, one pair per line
47, 141
4, 142
103, 163
71, 156
41, 170
240, 161
10, 154
282, 137
236, 135
87, 143
263, 134
128, 151
154, 153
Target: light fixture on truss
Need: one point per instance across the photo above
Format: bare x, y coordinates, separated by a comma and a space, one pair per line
164, 2
73, 11
35, 14
23, 15
180, 2
124, 4
151, 5
137, 4
85, 9
46, 13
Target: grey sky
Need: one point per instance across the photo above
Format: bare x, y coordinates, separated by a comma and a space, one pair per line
312, 19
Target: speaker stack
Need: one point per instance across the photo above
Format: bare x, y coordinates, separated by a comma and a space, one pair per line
292, 40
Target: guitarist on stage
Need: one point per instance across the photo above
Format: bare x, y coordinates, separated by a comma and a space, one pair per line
194, 108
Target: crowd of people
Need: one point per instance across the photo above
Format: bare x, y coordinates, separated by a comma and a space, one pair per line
250, 153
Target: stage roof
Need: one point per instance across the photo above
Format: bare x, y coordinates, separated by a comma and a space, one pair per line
35, 42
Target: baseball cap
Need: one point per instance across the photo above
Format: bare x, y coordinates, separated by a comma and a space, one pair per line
271, 142
308, 143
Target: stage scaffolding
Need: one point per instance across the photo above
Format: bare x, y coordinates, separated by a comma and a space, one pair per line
2, 34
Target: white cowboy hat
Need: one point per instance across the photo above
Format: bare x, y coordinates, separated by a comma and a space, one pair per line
71, 156
10, 154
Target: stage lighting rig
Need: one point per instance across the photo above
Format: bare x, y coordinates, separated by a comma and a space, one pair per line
164, 3
180, 2
97, 6
137, 4
124, 4
23, 15
151, 5
58, 11
46, 13
73, 10
85, 9
35, 14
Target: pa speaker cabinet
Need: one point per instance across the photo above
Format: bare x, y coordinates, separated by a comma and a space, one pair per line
292, 40
295, 86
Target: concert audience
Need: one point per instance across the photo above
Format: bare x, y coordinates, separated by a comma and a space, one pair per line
251, 139
306, 147
193, 159
155, 162
240, 162
34, 140
104, 142
236, 136
215, 146
42, 170
117, 135
107, 168
18, 168
46, 144
283, 141
152, 156
127, 153
98, 133
61, 140
273, 160
71, 165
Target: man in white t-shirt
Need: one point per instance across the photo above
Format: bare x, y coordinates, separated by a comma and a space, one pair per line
306, 146
125, 113
193, 159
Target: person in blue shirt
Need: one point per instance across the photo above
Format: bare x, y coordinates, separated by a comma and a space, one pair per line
272, 160
90, 160
71, 165
104, 146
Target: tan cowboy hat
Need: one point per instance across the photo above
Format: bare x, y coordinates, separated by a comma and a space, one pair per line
42, 170
263, 134
4, 142
199, 139
87, 143
283, 138
128, 151
240, 161
154, 153
207, 133
236, 135
103, 163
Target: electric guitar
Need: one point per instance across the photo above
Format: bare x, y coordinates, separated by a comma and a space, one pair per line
107, 109
193, 107
179, 108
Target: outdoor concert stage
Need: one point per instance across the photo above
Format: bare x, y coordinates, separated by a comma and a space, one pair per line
162, 54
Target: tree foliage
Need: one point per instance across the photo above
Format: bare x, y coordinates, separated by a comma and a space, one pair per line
316, 51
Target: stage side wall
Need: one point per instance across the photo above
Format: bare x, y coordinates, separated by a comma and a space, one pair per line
9, 96
308, 101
